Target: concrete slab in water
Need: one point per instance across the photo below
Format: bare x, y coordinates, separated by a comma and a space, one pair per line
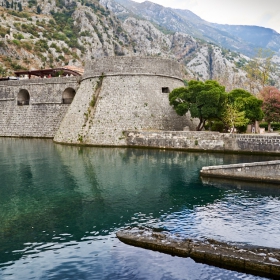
260, 261
267, 171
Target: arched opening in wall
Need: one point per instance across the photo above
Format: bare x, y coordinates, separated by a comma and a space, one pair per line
23, 97
68, 95
165, 90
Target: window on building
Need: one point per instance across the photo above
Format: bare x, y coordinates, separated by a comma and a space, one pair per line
165, 90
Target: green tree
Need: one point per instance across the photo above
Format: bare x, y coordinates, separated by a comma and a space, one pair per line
39, 10
259, 69
245, 101
233, 118
19, 7
252, 70
266, 66
204, 101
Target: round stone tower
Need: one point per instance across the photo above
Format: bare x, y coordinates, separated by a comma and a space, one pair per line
117, 94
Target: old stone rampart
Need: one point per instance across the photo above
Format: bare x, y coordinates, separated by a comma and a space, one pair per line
35, 107
121, 93
204, 141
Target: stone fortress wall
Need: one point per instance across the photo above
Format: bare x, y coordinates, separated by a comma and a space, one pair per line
122, 93
115, 94
120, 101
35, 107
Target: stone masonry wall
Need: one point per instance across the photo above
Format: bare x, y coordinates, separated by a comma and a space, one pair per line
123, 101
208, 141
42, 117
76, 118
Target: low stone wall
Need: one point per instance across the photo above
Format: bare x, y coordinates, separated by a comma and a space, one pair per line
267, 171
204, 141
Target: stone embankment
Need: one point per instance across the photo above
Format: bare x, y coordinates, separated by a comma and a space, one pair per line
266, 171
204, 141
252, 259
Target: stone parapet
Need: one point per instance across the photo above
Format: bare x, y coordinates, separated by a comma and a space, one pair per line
40, 81
133, 66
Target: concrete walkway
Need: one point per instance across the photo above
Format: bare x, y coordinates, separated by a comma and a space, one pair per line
266, 171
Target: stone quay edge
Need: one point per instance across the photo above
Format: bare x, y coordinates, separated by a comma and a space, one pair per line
262, 261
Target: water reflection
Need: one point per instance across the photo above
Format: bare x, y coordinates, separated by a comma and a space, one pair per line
60, 207
257, 187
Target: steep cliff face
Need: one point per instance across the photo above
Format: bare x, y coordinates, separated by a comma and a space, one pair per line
68, 33
54, 33
201, 60
244, 39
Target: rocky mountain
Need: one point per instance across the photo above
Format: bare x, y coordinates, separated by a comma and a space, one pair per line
40, 34
243, 39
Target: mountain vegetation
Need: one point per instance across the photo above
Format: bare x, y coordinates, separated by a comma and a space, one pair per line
243, 39
44, 34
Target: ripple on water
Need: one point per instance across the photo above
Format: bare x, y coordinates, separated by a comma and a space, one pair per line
60, 213
252, 220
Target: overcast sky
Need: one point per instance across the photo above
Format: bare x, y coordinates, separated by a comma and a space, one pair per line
245, 12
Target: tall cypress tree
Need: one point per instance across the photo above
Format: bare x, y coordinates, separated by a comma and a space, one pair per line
39, 10
19, 7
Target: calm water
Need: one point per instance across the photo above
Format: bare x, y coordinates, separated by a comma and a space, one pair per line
61, 206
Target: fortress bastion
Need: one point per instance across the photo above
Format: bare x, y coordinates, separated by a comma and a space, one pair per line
122, 93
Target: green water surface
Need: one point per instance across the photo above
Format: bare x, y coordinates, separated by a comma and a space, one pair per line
60, 207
